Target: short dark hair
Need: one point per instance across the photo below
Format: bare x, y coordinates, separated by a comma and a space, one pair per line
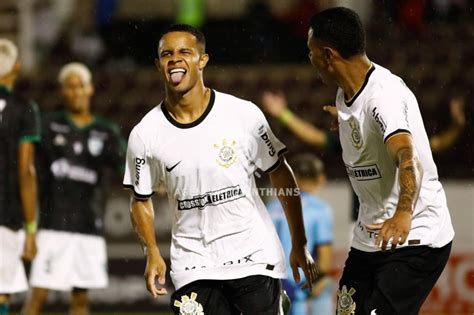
307, 166
341, 29
201, 39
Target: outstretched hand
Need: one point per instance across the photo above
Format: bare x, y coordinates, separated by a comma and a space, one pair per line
300, 257
155, 268
274, 103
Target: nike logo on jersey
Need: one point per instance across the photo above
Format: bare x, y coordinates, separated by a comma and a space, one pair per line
169, 169
373, 312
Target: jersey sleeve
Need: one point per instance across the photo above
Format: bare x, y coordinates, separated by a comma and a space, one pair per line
266, 148
30, 124
390, 115
140, 173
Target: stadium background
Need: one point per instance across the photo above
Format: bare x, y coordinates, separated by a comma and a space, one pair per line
254, 46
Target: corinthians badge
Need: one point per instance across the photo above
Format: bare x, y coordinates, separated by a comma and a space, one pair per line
356, 137
189, 306
226, 155
345, 303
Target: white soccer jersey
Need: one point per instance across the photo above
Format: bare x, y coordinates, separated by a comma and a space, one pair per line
221, 228
383, 107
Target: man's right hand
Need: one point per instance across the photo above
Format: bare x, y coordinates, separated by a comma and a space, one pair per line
155, 268
274, 103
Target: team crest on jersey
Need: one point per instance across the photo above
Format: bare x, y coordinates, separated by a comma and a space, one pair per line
77, 147
226, 155
356, 136
95, 145
345, 303
188, 305
59, 140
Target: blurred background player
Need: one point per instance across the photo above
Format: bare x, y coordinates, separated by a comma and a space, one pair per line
318, 221
19, 131
77, 149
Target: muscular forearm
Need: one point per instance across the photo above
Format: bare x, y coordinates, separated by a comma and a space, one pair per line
142, 215
282, 179
410, 174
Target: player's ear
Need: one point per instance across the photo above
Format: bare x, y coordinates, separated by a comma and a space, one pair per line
203, 61
329, 54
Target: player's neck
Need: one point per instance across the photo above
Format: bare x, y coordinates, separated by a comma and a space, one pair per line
186, 108
81, 119
352, 75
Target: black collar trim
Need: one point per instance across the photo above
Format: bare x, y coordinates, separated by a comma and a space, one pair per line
367, 76
194, 123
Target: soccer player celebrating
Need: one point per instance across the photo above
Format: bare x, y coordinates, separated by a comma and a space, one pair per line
389, 162
76, 150
19, 130
204, 146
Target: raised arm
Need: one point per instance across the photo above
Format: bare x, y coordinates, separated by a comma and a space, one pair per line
282, 178
143, 215
276, 105
402, 150
445, 139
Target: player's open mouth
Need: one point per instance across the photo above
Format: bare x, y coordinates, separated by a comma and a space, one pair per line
177, 75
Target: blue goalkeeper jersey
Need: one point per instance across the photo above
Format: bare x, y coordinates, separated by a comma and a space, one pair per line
318, 222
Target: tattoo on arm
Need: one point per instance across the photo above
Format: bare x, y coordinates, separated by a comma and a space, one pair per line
410, 173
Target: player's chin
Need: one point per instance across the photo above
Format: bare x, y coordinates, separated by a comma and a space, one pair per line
180, 87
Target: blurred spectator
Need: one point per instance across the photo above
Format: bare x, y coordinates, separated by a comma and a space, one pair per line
318, 220
86, 44
51, 22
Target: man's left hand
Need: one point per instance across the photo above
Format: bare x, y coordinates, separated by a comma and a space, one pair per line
300, 257
395, 229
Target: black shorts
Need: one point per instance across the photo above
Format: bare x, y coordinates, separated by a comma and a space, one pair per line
250, 295
390, 282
